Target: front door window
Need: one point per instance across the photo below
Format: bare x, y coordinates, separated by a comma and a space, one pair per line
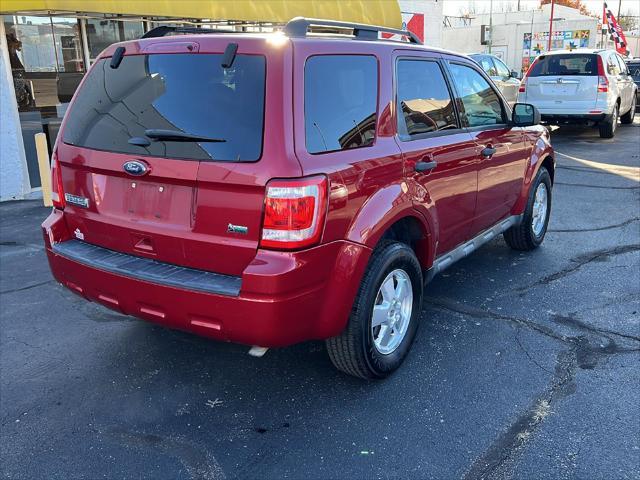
481, 103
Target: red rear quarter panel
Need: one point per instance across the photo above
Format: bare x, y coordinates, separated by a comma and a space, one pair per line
540, 150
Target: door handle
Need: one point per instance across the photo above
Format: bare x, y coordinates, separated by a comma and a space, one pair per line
422, 167
488, 152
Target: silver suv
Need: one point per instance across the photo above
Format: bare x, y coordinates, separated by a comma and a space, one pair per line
582, 86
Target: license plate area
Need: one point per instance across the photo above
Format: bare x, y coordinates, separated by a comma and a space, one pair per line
157, 201
559, 89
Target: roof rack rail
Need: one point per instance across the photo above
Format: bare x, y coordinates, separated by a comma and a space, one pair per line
164, 30
299, 27
296, 27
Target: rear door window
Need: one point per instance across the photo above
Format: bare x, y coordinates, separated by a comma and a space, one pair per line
623, 66
612, 66
190, 94
482, 105
423, 98
565, 64
340, 102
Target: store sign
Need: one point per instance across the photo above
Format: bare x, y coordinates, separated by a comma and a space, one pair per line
536, 44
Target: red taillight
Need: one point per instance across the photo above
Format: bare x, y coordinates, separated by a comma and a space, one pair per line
294, 212
57, 193
603, 83
523, 82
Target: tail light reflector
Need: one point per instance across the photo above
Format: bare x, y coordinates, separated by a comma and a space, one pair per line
57, 192
603, 83
294, 213
523, 82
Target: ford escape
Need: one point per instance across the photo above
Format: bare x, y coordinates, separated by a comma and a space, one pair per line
271, 189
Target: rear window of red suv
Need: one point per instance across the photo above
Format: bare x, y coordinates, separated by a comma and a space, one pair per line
191, 94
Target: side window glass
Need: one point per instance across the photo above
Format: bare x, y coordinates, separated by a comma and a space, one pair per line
612, 66
503, 71
481, 103
622, 64
423, 98
340, 102
487, 65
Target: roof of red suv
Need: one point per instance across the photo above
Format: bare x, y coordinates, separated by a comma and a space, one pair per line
295, 31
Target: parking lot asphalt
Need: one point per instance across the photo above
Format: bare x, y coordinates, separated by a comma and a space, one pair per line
525, 365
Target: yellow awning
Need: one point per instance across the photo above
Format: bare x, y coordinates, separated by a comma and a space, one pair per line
373, 12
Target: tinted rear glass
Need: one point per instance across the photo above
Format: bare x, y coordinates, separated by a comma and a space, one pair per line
561, 64
340, 99
188, 93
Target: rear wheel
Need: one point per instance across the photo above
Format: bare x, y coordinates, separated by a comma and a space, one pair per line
627, 118
530, 233
384, 317
608, 125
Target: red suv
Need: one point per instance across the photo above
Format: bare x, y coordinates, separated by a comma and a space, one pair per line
269, 189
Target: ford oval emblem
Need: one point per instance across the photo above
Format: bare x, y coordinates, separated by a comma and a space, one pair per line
135, 167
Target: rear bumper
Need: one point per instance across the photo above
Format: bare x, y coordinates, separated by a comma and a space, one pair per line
572, 118
284, 297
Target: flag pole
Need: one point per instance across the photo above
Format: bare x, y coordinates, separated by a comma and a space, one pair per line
550, 26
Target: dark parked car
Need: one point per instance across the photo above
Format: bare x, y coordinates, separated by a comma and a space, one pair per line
634, 69
272, 189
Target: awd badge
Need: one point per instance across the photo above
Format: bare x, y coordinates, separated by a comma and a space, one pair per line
241, 229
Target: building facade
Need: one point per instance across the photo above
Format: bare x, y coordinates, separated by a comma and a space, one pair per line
518, 37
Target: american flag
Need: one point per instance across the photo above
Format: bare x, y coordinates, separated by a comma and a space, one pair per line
616, 34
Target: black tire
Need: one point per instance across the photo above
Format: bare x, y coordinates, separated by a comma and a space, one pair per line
522, 237
608, 126
353, 351
627, 118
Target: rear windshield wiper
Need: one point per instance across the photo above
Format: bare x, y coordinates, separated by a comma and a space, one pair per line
177, 136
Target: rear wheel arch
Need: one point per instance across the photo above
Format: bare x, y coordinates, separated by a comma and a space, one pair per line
390, 212
413, 232
549, 163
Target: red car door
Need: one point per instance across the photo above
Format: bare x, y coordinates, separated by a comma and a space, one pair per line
440, 158
503, 152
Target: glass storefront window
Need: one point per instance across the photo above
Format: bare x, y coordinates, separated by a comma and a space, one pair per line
102, 33
47, 64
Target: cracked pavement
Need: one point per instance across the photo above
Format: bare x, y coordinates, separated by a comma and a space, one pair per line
525, 366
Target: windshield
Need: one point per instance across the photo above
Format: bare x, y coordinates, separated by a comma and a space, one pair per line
634, 70
565, 64
190, 94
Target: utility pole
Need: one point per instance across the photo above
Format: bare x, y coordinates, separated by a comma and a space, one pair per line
490, 25
553, 3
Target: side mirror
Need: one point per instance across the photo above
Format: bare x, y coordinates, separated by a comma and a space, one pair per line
525, 115
515, 74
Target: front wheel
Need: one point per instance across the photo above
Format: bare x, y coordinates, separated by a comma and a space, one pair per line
531, 231
384, 317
